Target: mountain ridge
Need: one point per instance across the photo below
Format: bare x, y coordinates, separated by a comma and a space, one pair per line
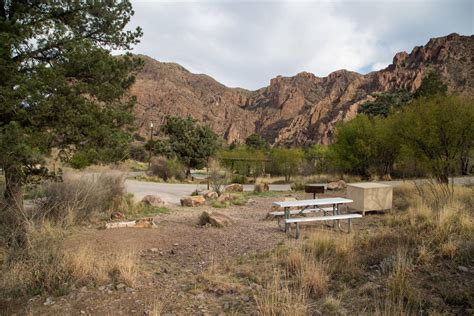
297, 110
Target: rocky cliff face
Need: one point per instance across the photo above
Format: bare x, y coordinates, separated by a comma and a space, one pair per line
298, 110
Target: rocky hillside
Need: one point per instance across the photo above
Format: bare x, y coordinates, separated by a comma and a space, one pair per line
302, 109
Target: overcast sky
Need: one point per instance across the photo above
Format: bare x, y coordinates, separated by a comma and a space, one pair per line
246, 43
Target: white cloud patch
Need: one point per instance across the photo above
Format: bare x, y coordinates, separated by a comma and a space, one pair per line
245, 44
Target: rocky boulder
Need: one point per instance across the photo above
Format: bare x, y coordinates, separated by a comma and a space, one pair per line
337, 185
192, 201
261, 187
153, 200
215, 219
209, 194
234, 187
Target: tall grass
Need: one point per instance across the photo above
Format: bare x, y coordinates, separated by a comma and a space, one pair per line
79, 198
50, 265
278, 298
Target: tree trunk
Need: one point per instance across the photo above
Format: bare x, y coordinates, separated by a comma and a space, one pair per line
465, 164
13, 218
443, 179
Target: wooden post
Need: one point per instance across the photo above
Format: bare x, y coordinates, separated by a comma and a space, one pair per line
151, 143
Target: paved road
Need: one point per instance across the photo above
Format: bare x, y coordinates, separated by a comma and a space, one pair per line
172, 192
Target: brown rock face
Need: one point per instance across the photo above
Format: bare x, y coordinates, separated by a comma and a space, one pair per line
297, 110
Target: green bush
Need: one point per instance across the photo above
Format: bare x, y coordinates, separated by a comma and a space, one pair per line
287, 161
238, 178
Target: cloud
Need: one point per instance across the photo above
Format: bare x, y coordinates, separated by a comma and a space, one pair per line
245, 44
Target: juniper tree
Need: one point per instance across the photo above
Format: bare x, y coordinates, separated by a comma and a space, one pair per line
60, 87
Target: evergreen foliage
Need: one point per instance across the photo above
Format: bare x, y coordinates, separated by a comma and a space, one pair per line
61, 88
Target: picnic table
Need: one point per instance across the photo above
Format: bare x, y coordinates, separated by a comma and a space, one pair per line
326, 206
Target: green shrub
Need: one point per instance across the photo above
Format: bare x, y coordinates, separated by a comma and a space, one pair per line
239, 178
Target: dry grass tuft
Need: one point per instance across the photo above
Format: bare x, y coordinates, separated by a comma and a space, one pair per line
398, 281
79, 198
49, 265
314, 278
277, 298
336, 249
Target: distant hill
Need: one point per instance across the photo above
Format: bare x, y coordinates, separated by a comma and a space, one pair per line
298, 110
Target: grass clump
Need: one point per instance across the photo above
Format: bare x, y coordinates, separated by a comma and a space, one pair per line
78, 199
48, 265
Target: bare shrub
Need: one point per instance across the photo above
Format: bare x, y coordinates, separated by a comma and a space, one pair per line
167, 169
79, 199
218, 176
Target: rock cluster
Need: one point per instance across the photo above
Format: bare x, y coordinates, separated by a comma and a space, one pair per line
215, 219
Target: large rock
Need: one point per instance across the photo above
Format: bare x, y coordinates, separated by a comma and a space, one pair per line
193, 201
215, 219
261, 187
153, 200
337, 185
209, 194
234, 187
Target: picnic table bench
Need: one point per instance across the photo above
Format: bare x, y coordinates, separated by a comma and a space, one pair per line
313, 205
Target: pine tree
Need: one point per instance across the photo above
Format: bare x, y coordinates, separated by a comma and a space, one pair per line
60, 87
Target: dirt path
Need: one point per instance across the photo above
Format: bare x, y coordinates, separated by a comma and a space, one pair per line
173, 271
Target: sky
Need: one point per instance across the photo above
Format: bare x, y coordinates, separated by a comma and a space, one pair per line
246, 43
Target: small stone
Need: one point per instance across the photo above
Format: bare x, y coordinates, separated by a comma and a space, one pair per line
117, 215
129, 290
153, 200
120, 286
153, 250
102, 288
83, 312
49, 301
463, 269
176, 244
83, 289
